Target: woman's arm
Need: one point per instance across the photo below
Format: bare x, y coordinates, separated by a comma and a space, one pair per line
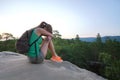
42, 31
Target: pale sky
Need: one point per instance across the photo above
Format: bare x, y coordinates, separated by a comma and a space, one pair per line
70, 17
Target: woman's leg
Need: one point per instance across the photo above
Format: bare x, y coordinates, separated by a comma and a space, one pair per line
44, 46
47, 43
55, 57
51, 48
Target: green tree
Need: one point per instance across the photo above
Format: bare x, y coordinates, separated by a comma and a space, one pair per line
56, 34
99, 43
77, 37
112, 68
112, 47
98, 39
6, 36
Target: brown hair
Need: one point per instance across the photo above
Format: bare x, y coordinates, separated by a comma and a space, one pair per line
46, 25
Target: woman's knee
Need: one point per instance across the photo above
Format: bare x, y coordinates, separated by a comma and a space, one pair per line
48, 39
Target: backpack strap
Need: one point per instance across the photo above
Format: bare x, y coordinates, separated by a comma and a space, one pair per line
34, 41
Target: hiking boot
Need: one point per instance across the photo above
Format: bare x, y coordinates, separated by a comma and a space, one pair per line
56, 59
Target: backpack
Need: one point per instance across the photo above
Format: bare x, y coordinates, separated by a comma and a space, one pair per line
22, 44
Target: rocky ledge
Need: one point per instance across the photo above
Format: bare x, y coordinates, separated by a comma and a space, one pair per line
14, 66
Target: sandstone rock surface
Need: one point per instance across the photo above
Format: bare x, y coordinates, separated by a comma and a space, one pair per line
14, 66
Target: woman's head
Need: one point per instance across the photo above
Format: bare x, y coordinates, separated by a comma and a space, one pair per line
46, 26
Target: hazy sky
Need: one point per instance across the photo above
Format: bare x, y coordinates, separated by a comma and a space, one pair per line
70, 17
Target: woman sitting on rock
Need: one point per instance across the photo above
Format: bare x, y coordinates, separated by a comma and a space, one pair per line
38, 50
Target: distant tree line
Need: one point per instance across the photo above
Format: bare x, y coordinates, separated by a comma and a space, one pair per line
101, 58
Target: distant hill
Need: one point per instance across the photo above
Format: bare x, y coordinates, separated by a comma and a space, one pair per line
92, 39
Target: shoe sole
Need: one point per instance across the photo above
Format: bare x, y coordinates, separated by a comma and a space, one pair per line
56, 61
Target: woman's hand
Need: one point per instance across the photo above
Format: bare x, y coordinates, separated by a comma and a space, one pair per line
48, 38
